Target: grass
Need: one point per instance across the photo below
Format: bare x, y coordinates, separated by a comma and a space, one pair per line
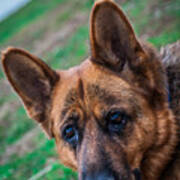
165, 38
35, 161
19, 124
153, 20
72, 53
134, 11
24, 16
59, 172
24, 125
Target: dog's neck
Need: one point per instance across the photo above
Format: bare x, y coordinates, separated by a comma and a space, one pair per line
171, 61
157, 158
166, 151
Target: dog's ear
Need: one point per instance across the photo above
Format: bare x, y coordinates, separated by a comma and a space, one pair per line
114, 44
113, 41
33, 81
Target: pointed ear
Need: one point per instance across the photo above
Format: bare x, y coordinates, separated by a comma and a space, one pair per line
113, 41
33, 81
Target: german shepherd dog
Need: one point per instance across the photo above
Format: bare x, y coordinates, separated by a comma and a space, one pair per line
110, 115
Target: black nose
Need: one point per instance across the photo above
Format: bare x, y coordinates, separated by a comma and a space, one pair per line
103, 175
137, 174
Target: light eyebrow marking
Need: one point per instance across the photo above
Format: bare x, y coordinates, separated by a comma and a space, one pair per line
70, 99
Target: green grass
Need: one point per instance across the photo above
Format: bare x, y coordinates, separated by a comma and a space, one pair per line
24, 16
83, 5
165, 38
144, 19
36, 161
59, 172
134, 11
18, 124
1, 74
24, 125
72, 53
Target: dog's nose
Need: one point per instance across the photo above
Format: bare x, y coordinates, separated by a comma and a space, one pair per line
104, 175
137, 174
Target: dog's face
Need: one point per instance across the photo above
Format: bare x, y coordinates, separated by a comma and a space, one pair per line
100, 122
103, 113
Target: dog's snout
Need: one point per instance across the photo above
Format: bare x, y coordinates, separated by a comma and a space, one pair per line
103, 175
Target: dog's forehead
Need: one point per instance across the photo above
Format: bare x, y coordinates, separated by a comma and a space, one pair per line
87, 83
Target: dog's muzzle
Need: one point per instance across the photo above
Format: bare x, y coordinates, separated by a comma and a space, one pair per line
108, 175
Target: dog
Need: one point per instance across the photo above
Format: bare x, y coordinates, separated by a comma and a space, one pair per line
110, 115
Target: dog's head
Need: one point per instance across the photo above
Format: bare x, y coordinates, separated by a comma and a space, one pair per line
108, 115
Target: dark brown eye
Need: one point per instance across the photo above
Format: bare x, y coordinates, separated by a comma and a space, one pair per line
70, 135
116, 121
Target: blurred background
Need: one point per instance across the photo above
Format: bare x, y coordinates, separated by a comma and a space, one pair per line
57, 31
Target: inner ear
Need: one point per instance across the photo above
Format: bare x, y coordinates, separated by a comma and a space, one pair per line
113, 41
30, 77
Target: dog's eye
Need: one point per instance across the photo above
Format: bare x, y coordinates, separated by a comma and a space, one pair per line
117, 120
70, 135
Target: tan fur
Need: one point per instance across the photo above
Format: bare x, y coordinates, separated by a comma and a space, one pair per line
122, 74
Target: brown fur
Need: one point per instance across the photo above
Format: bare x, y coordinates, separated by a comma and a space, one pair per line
121, 74
171, 61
